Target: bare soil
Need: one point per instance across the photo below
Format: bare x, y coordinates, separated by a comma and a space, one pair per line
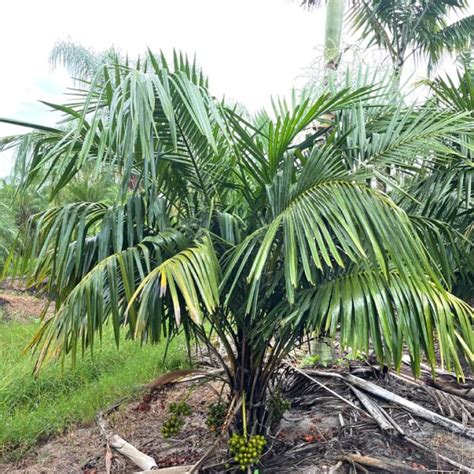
82, 449
20, 306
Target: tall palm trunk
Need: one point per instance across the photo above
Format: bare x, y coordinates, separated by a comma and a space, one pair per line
333, 34
332, 56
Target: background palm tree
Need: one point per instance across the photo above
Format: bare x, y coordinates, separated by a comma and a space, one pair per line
8, 232
406, 28
333, 30
79, 61
16, 210
87, 187
240, 228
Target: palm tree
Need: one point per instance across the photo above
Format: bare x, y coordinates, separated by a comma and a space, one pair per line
333, 30
15, 212
7, 232
86, 187
237, 228
406, 28
82, 63
444, 193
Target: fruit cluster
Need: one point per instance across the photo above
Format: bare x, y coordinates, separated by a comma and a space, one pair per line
279, 405
216, 416
172, 426
179, 408
246, 452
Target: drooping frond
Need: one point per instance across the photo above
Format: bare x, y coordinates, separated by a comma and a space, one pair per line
392, 314
329, 219
139, 286
83, 234
191, 276
452, 38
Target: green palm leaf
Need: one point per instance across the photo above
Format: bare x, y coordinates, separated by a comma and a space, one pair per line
392, 314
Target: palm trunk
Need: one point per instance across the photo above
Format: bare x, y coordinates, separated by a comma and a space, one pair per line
397, 73
251, 383
256, 379
333, 35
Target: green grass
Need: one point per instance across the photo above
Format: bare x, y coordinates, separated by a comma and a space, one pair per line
32, 408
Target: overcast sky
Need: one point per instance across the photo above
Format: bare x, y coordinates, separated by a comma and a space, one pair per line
250, 49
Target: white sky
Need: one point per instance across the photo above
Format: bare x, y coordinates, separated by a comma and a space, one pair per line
250, 49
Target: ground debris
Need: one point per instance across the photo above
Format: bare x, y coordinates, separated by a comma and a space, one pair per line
321, 433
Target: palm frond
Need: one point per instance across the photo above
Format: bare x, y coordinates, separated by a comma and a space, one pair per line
408, 139
80, 62
455, 96
328, 220
452, 38
392, 314
130, 287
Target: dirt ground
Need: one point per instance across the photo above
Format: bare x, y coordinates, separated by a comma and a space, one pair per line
20, 306
315, 436
82, 449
